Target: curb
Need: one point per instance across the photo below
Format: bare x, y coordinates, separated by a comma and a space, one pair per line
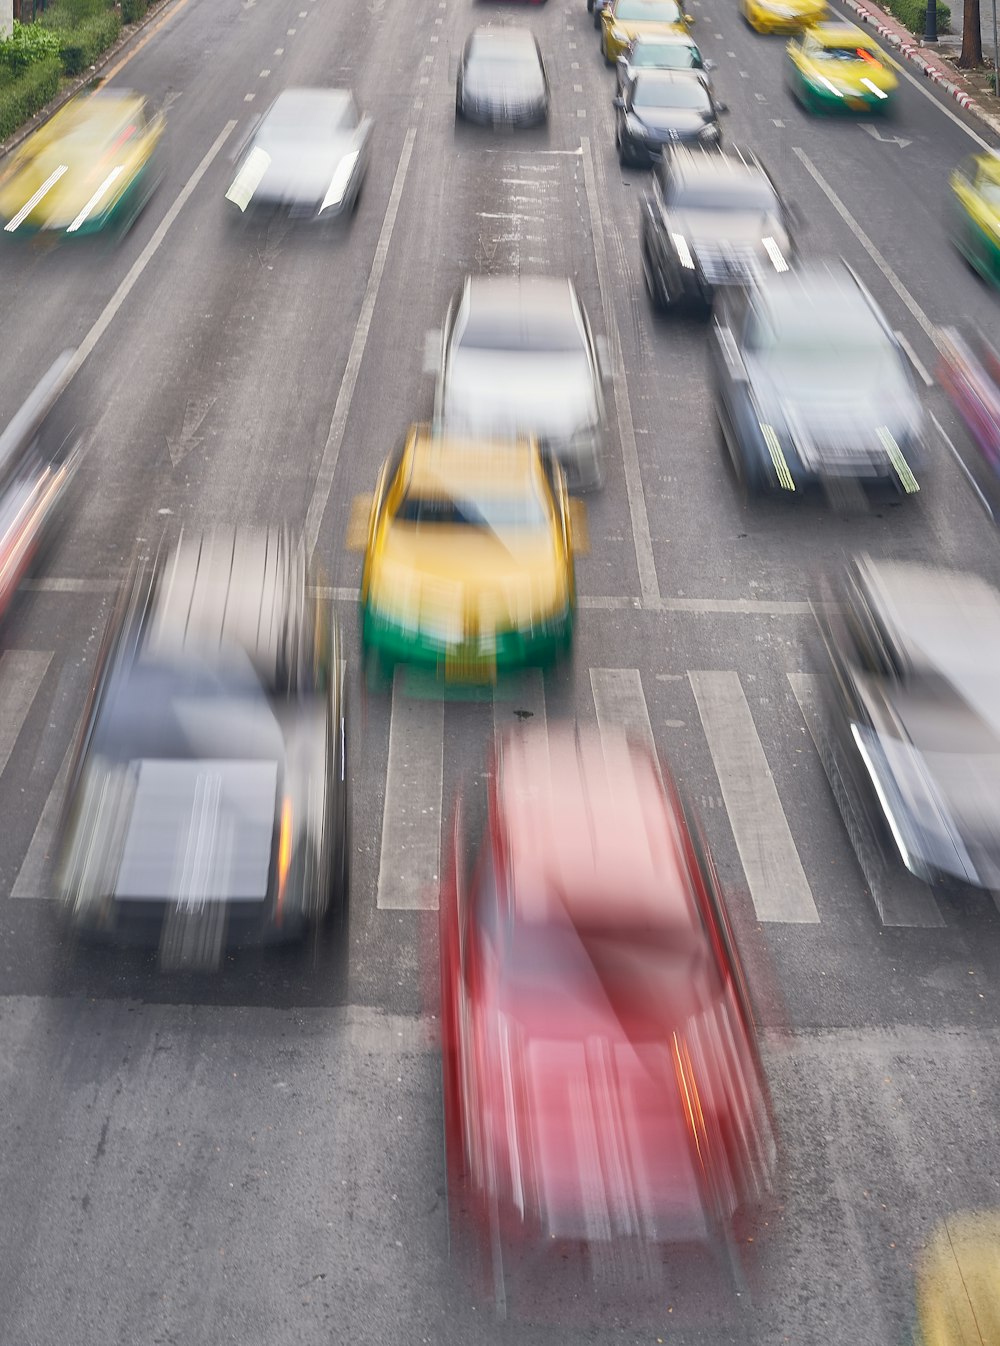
124, 38
913, 53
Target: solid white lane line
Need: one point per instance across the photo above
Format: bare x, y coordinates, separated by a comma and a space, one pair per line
31, 881
867, 244
142, 261
648, 584
619, 701
411, 820
520, 702
946, 439
900, 899
917, 364
774, 873
21, 673
331, 450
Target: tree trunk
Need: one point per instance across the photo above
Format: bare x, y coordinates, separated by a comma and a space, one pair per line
972, 37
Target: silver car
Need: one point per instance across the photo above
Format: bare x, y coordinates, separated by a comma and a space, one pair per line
517, 356
307, 156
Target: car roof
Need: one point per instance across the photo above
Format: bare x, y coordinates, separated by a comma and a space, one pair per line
449, 464
652, 75
704, 165
589, 833
831, 283
311, 104
842, 35
512, 36
499, 294
245, 587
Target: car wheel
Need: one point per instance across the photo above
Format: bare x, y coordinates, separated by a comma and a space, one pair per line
590, 6
657, 295
597, 18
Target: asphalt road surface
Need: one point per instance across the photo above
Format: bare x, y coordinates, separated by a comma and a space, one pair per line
257, 1157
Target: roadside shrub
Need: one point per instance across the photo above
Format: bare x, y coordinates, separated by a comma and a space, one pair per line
71, 13
27, 44
80, 47
913, 13
21, 98
133, 10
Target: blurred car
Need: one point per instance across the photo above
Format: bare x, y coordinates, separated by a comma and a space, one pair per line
623, 20
975, 213
676, 52
782, 16
711, 220
468, 565
91, 167
835, 67
958, 1282
811, 384
600, 1069
915, 712
39, 456
307, 157
517, 356
970, 375
658, 109
208, 801
501, 79
597, 8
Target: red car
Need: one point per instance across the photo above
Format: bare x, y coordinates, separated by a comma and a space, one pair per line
970, 375
601, 1075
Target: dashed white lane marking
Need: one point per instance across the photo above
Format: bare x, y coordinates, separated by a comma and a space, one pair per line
435, 38
331, 450
21, 673
778, 885
777, 122
279, 51
574, 65
249, 97
619, 701
264, 74
581, 112
290, 32
411, 819
424, 79
578, 88
917, 364
867, 244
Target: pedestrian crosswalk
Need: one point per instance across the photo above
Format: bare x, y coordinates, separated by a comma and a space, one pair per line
725, 729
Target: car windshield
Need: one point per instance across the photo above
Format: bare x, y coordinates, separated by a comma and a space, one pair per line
666, 56
747, 194
501, 513
483, 51
989, 190
807, 327
849, 54
649, 11
681, 93
309, 120
514, 328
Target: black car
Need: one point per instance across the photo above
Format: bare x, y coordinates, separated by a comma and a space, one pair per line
711, 220
306, 158
661, 51
659, 109
39, 456
811, 384
208, 800
501, 79
914, 715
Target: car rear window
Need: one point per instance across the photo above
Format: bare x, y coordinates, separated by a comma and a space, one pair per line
736, 194
684, 92
649, 11
663, 56
519, 329
498, 512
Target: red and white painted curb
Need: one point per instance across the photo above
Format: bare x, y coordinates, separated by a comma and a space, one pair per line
915, 55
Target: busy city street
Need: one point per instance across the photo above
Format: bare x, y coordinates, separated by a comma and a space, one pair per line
256, 1153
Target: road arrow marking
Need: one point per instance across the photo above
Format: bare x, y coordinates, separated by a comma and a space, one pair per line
194, 413
876, 134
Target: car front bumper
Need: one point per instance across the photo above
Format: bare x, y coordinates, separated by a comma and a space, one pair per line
541, 644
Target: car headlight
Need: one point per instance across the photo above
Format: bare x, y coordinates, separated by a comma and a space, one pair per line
338, 183
683, 251
829, 85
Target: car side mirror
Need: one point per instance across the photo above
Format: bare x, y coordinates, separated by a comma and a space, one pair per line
357, 523
689, 18
579, 529
618, 102
722, 108
432, 351
603, 356
711, 65
623, 61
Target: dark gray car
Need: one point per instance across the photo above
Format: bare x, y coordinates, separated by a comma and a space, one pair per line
208, 799
306, 157
711, 220
811, 384
914, 715
501, 79
660, 109
675, 51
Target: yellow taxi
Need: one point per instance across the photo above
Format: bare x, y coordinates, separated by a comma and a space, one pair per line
93, 166
782, 16
468, 563
623, 20
835, 67
958, 1282
975, 213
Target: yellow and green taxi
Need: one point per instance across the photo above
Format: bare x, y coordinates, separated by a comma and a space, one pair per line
468, 563
835, 67
623, 20
975, 214
93, 166
958, 1283
782, 16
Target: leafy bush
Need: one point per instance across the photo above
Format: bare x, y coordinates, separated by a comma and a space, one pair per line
27, 44
80, 47
913, 13
72, 13
21, 98
133, 10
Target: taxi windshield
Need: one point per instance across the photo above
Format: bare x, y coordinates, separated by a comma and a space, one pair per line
500, 512
850, 54
666, 56
648, 11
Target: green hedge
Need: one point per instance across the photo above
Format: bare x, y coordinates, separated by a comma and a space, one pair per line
133, 10
914, 14
21, 98
27, 44
72, 13
80, 47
